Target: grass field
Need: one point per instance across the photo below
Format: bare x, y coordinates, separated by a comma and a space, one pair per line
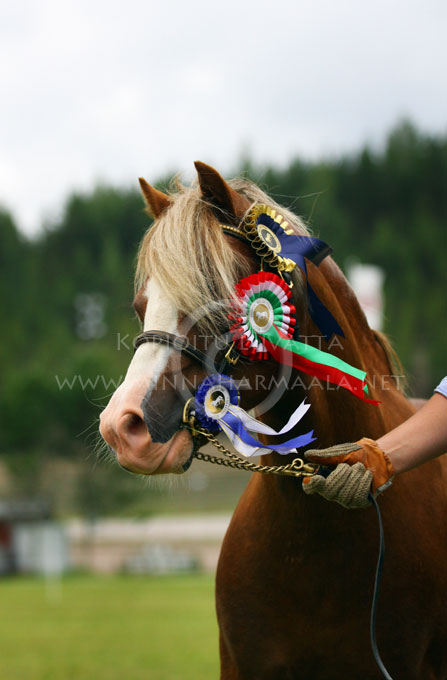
108, 628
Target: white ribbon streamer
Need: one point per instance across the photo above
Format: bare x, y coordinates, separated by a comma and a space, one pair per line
253, 425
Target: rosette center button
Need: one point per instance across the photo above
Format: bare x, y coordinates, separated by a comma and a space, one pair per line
261, 315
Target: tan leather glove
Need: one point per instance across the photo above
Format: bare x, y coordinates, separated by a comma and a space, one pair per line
361, 467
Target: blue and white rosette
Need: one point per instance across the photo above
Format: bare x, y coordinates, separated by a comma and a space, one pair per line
217, 408
212, 399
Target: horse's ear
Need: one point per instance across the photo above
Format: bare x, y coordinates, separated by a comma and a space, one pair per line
156, 201
218, 192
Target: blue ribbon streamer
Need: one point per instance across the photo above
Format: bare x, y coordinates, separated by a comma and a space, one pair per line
238, 428
297, 248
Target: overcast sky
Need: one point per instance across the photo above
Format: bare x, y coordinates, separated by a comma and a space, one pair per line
107, 91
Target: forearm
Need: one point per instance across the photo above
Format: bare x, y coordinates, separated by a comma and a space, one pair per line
420, 438
369, 466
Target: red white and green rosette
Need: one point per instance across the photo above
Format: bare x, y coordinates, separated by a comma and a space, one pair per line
263, 324
263, 301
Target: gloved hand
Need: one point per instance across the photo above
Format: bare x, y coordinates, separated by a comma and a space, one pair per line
361, 467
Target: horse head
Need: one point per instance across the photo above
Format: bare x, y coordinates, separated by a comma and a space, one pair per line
189, 263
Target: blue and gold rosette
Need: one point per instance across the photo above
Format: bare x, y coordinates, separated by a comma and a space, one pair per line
216, 406
277, 244
267, 229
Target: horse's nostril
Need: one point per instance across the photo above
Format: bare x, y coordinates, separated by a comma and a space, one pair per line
132, 425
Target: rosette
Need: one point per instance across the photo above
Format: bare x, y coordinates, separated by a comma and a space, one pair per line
216, 405
263, 325
282, 248
263, 300
266, 229
212, 399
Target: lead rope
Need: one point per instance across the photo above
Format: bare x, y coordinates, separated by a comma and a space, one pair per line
298, 468
377, 582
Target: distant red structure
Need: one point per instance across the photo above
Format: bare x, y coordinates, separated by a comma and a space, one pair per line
12, 514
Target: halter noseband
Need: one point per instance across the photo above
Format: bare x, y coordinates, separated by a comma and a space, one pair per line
182, 344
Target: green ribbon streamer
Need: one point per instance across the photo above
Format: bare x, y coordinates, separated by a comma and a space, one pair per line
313, 354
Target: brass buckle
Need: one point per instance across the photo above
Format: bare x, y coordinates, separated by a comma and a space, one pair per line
187, 406
231, 359
188, 418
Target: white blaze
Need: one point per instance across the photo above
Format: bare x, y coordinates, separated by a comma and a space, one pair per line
150, 359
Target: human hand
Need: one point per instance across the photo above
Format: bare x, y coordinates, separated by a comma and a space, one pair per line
361, 467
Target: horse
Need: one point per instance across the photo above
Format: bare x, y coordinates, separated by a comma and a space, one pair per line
295, 574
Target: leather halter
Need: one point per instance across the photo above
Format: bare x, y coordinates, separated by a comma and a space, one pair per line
174, 341
182, 344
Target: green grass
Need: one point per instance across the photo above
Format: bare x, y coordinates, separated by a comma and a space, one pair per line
108, 628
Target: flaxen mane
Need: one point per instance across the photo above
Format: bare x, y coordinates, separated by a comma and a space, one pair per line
188, 253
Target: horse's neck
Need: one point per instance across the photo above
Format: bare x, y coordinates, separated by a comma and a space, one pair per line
335, 414
339, 415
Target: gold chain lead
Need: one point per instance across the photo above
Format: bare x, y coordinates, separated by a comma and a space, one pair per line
297, 468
